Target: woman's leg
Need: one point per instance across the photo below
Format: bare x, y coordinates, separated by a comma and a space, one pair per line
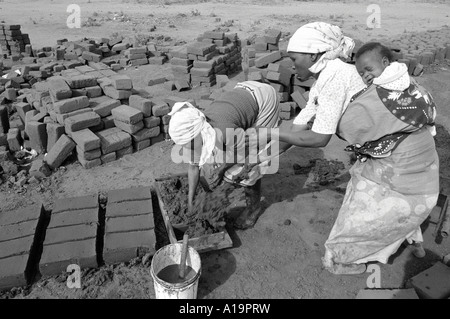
251, 213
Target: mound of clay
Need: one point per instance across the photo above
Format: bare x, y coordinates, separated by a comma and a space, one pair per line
208, 214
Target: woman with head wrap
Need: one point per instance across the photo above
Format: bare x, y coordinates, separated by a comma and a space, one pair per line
394, 185
216, 140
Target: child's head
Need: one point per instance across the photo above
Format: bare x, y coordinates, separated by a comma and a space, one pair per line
371, 60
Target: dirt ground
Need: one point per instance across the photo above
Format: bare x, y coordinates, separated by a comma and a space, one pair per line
280, 258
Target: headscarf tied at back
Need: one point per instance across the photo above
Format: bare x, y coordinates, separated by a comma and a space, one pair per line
186, 123
317, 37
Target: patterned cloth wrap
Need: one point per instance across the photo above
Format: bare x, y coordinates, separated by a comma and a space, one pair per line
414, 106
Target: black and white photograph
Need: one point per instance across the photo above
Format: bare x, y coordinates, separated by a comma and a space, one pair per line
225, 153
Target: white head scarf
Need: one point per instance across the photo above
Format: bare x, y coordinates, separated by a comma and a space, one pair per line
186, 123
317, 37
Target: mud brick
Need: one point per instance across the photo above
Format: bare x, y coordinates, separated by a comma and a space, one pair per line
21, 231
93, 91
120, 47
58, 88
138, 62
39, 169
66, 74
298, 98
139, 146
272, 36
433, 283
156, 80
285, 115
125, 151
124, 246
412, 65
201, 71
255, 76
260, 47
180, 61
285, 107
283, 78
182, 85
145, 133
205, 64
107, 158
60, 118
87, 164
38, 136
129, 128
130, 194
81, 121
4, 119
113, 139
70, 105
95, 74
129, 208
103, 105
121, 82
200, 48
180, 52
10, 94
59, 152
54, 132
159, 60
387, 294
89, 155
217, 35
418, 69
12, 271
107, 72
108, 122
159, 138
14, 139
136, 56
84, 69
116, 67
142, 104
55, 258
152, 121
81, 81
181, 69
113, 93
267, 58
98, 66
127, 114
48, 66
86, 140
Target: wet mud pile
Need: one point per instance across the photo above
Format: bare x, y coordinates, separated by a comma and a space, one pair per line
209, 208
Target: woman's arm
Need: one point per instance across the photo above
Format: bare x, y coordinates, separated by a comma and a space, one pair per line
193, 179
304, 138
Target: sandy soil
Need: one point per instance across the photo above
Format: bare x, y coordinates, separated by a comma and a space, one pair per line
281, 256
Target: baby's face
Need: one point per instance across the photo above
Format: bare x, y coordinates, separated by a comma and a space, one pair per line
370, 65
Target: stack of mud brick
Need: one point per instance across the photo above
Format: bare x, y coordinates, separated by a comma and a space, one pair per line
198, 63
270, 65
20, 238
36, 243
13, 42
76, 111
419, 50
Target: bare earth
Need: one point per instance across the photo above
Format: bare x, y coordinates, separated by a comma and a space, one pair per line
281, 256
